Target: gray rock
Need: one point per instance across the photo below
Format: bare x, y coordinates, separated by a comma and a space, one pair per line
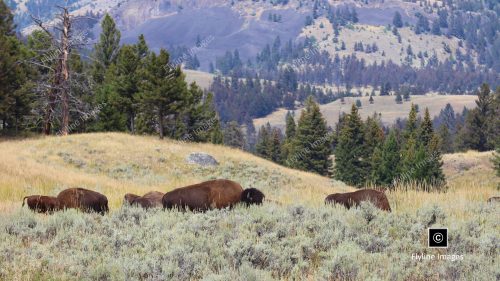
202, 159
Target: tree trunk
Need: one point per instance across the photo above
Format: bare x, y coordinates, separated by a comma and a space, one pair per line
65, 72
160, 124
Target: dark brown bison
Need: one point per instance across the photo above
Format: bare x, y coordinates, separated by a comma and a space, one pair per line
42, 204
494, 199
151, 199
129, 198
350, 199
83, 199
212, 194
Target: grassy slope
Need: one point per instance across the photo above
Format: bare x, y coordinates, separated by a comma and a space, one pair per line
115, 164
385, 105
267, 242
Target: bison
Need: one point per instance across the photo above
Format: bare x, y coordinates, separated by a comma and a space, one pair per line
212, 194
129, 198
494, 199
42, 204
355, 198
151, 199
83, 199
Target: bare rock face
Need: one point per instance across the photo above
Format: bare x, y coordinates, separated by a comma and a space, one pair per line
202, 159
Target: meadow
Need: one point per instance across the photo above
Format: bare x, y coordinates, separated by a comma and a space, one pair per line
299, 239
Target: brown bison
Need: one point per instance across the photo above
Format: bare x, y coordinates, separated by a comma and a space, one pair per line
350, 199
83, 199
42, 204
129, 198
212, 194
151, 199
494, 199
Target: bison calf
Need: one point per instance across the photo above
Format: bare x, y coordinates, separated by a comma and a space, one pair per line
210, 195
151, 199
42, 204
83, 199
355, 198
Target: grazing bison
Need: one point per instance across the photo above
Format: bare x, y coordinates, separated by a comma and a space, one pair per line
42, 204
252, 196
494, 199
83, 199
151, 199
211, 194
129, 198
350, 199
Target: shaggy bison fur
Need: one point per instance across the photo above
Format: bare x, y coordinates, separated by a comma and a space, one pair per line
151, 199
212, 194
83, 199
129, 198
355, 198
42, 204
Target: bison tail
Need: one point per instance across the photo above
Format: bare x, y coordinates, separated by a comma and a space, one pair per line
24, 200
252, 196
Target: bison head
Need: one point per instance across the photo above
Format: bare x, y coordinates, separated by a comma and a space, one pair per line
252, 196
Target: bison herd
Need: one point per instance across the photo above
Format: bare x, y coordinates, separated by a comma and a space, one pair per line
214, 194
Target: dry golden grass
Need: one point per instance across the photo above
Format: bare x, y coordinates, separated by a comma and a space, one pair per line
115, 164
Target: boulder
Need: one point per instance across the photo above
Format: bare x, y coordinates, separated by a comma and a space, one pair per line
202, 159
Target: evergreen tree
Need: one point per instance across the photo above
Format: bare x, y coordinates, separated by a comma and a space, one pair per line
16, 95
397, 21
311, 147
290, 126
351, 159
411, 124
399, 99
476, 123
276, 145
126, 83
447, 143
233, 136
385, 165
199, 116
142, 47
162, 90
496, 161
107, 48
371, 99
264, 142
426, 131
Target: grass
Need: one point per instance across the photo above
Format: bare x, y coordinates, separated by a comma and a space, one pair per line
301, 239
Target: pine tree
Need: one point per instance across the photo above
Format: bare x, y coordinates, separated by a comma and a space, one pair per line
126, 83
411, 124
263, 146
142, 47
290, 126
447, 143
426, 131
476, 123
106, 50
16, 90
276, 145
162, 90
385, 165
199, 116
399, 99
233, 136
311, 146
397, 21
351, 164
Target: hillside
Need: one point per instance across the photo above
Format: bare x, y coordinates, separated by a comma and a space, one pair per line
303, 239
385, 105
115, 164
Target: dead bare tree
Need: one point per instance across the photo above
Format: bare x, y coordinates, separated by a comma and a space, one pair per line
59, 92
